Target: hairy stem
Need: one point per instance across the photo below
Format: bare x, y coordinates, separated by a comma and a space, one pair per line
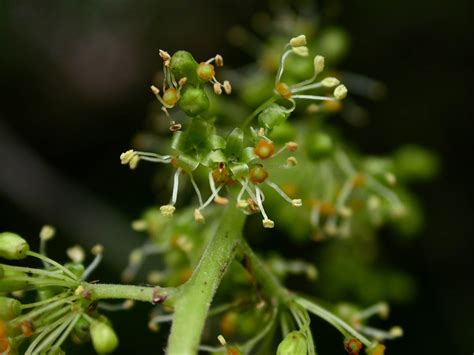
150, 294
195, 297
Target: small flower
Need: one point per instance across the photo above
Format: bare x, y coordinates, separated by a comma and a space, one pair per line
293, 92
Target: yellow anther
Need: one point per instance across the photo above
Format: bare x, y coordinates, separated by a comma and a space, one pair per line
167, 210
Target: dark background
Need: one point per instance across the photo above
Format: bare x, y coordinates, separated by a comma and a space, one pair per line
74, 89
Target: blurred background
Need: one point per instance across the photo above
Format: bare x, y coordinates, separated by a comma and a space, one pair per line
75, 79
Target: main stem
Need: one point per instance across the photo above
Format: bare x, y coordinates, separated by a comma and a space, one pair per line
195, 297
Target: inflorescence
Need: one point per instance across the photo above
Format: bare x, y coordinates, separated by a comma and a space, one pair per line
238, 158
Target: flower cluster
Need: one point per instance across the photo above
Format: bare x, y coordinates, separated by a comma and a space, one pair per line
63, 305
236, 159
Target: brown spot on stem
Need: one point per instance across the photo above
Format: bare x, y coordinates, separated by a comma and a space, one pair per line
158, 297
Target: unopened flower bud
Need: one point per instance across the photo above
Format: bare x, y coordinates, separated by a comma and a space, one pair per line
13, 247
103, 337
194, 102
319, 145
182, 64
9, 281
9, 308
273, 116
294, 344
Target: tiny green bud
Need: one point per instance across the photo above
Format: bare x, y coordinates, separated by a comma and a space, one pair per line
80, 332
194, 102
9, 308
75, 268
183, 65
333, 43
416, 163
319, 145
45, 293
13, 247
293, 344
103, 337
272, 116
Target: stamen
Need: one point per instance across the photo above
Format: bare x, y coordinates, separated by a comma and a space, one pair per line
227, 87
114, 307
298, 41
76, 254
314, 97
340, 92
394, 332
47, 233
381, 308
174, 195
241, 192
217, 88
218, 199
196, 189
211, 198
97, 250
302, 51
281, 66
318, 64
137, 257
267, 223
219, 60
293, 202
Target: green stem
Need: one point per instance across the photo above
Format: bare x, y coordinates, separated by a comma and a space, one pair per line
257, 111
264, 277
150, 294
193, 302
332, 319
